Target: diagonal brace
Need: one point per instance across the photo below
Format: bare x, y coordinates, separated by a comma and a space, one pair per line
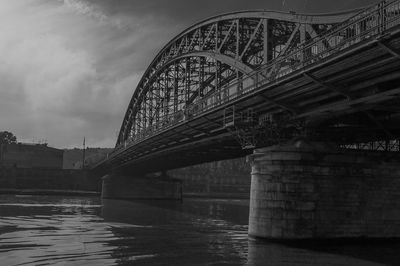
327, 86
280, 104
389, 50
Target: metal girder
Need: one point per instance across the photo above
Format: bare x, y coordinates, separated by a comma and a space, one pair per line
243, 41
327, 86
289, 41
183, 134
197, 129
389, 50
276, 15
285, 48
280, 104
213, 122
251, 38
207, 38
227, 36
236, 64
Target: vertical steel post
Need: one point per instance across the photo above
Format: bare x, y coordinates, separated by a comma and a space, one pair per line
302, 41
144, 111
216, 36
159, 102
267, 56
238, 38
201, 78
187, 81
151, 106
176, 88
167, 92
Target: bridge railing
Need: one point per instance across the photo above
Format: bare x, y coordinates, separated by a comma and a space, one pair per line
370, 23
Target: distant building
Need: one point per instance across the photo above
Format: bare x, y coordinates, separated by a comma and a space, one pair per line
26, 155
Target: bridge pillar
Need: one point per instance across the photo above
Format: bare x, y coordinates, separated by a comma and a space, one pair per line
309, 190
140, 188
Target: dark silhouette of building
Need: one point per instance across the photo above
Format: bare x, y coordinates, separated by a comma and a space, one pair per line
26, 155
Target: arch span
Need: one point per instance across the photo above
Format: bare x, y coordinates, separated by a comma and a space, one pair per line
211, 54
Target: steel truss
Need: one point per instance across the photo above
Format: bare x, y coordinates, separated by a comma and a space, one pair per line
208, 56
222, 58
384, 145
251, 129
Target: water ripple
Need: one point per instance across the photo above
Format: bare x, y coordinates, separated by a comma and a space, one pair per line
63, 231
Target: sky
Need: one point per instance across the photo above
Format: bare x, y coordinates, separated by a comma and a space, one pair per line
68, 68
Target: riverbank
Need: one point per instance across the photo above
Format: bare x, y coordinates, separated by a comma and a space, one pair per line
43, 179
215, 195
48, 192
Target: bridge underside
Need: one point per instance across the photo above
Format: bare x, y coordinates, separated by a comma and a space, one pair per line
249, 80
350, 98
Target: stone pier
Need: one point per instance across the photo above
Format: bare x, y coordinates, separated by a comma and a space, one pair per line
309, 190
140, 188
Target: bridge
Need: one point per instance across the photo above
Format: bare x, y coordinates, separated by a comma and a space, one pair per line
285, 84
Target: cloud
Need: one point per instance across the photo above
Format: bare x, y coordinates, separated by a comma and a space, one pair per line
55, 83
86, 9
93, 11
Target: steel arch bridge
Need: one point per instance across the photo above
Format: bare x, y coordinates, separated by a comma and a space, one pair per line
210, 55
214, 69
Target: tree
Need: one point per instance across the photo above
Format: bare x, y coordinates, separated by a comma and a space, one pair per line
7, 137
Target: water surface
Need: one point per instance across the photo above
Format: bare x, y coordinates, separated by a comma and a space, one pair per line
51, 230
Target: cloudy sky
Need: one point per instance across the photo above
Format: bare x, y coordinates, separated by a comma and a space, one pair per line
68, 68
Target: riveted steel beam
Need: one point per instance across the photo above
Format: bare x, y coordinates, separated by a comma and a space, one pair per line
234, 39
327, 86
389, 50
282, 105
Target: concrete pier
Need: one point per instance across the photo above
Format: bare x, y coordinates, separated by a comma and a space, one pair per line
140, 188
308, 190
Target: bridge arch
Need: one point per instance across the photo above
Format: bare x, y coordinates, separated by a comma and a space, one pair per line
209, 55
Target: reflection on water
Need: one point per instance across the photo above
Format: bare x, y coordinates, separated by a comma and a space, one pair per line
192, 233
272, 254
41, 230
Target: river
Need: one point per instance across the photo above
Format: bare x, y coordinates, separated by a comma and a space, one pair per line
53, 230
